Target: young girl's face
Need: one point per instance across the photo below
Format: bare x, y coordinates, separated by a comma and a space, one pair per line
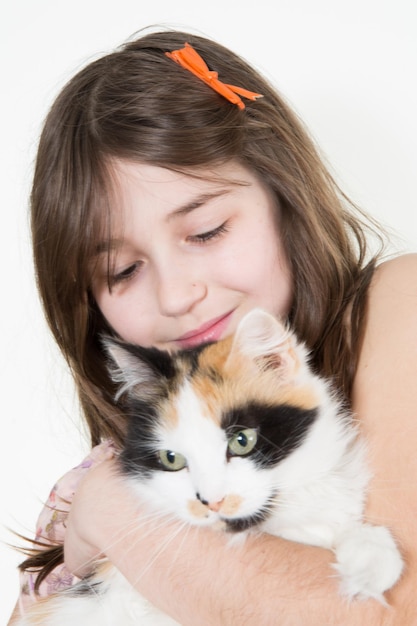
189, 256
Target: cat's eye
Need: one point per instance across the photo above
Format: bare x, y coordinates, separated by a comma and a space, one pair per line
172, 461
243, 442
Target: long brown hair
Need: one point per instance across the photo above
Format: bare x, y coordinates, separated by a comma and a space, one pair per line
136, 104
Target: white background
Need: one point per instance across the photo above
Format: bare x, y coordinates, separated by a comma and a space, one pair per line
348, 68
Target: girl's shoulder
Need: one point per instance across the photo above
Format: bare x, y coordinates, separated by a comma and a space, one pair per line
402, 268
384, 390
392, 304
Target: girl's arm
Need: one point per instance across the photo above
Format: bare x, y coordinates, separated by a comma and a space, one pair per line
199, 580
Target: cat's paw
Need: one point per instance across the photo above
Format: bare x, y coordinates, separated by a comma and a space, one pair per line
368, 561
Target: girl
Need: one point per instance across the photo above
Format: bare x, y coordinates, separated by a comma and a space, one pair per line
174, 190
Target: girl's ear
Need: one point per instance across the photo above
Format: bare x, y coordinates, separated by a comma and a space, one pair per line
266, 343
137, 369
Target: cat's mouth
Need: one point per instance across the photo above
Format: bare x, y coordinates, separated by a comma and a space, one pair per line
225, 515
240, 524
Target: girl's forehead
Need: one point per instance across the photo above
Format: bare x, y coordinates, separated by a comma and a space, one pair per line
150, 177
175, 192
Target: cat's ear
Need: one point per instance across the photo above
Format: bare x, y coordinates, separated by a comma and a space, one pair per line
267, 343
137, 369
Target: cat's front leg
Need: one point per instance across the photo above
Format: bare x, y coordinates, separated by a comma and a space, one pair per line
368, 561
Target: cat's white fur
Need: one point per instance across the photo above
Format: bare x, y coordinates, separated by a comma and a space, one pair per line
318, 491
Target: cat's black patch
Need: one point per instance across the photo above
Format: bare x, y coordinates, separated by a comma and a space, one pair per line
160, 361
191, 357
281, 429
138, 457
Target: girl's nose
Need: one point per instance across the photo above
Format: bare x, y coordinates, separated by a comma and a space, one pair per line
178, 294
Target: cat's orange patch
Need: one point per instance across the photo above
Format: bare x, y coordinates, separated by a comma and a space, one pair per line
208, 383
231, 504
266, 385
215, 355
170, 414
197, 509
302, 397
209, 392
240, 380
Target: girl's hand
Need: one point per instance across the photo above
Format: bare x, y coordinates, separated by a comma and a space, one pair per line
101, 499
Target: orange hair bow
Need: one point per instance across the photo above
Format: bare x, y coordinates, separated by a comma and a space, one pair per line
190, 60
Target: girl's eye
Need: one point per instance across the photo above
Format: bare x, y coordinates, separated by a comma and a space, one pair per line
243, 442
172, 461
126, 274
209, 235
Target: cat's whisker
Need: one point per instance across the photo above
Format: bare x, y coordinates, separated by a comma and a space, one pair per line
133, 527
175, 531
143, 523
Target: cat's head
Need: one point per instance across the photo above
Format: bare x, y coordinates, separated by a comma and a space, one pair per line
213, 430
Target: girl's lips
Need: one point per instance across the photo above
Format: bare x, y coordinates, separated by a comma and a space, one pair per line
211, 331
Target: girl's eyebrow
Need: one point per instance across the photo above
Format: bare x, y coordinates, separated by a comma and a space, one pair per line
104, 247
195, 203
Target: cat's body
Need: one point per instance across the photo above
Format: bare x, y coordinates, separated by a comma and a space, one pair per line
241, 436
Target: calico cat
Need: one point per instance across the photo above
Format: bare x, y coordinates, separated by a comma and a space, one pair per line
241, 436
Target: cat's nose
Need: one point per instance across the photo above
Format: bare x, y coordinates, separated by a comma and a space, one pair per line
213, 506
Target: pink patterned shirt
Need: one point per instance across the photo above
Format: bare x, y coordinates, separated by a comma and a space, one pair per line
52, 523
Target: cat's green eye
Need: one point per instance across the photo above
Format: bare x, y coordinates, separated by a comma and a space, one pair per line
243, 442
173, 461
